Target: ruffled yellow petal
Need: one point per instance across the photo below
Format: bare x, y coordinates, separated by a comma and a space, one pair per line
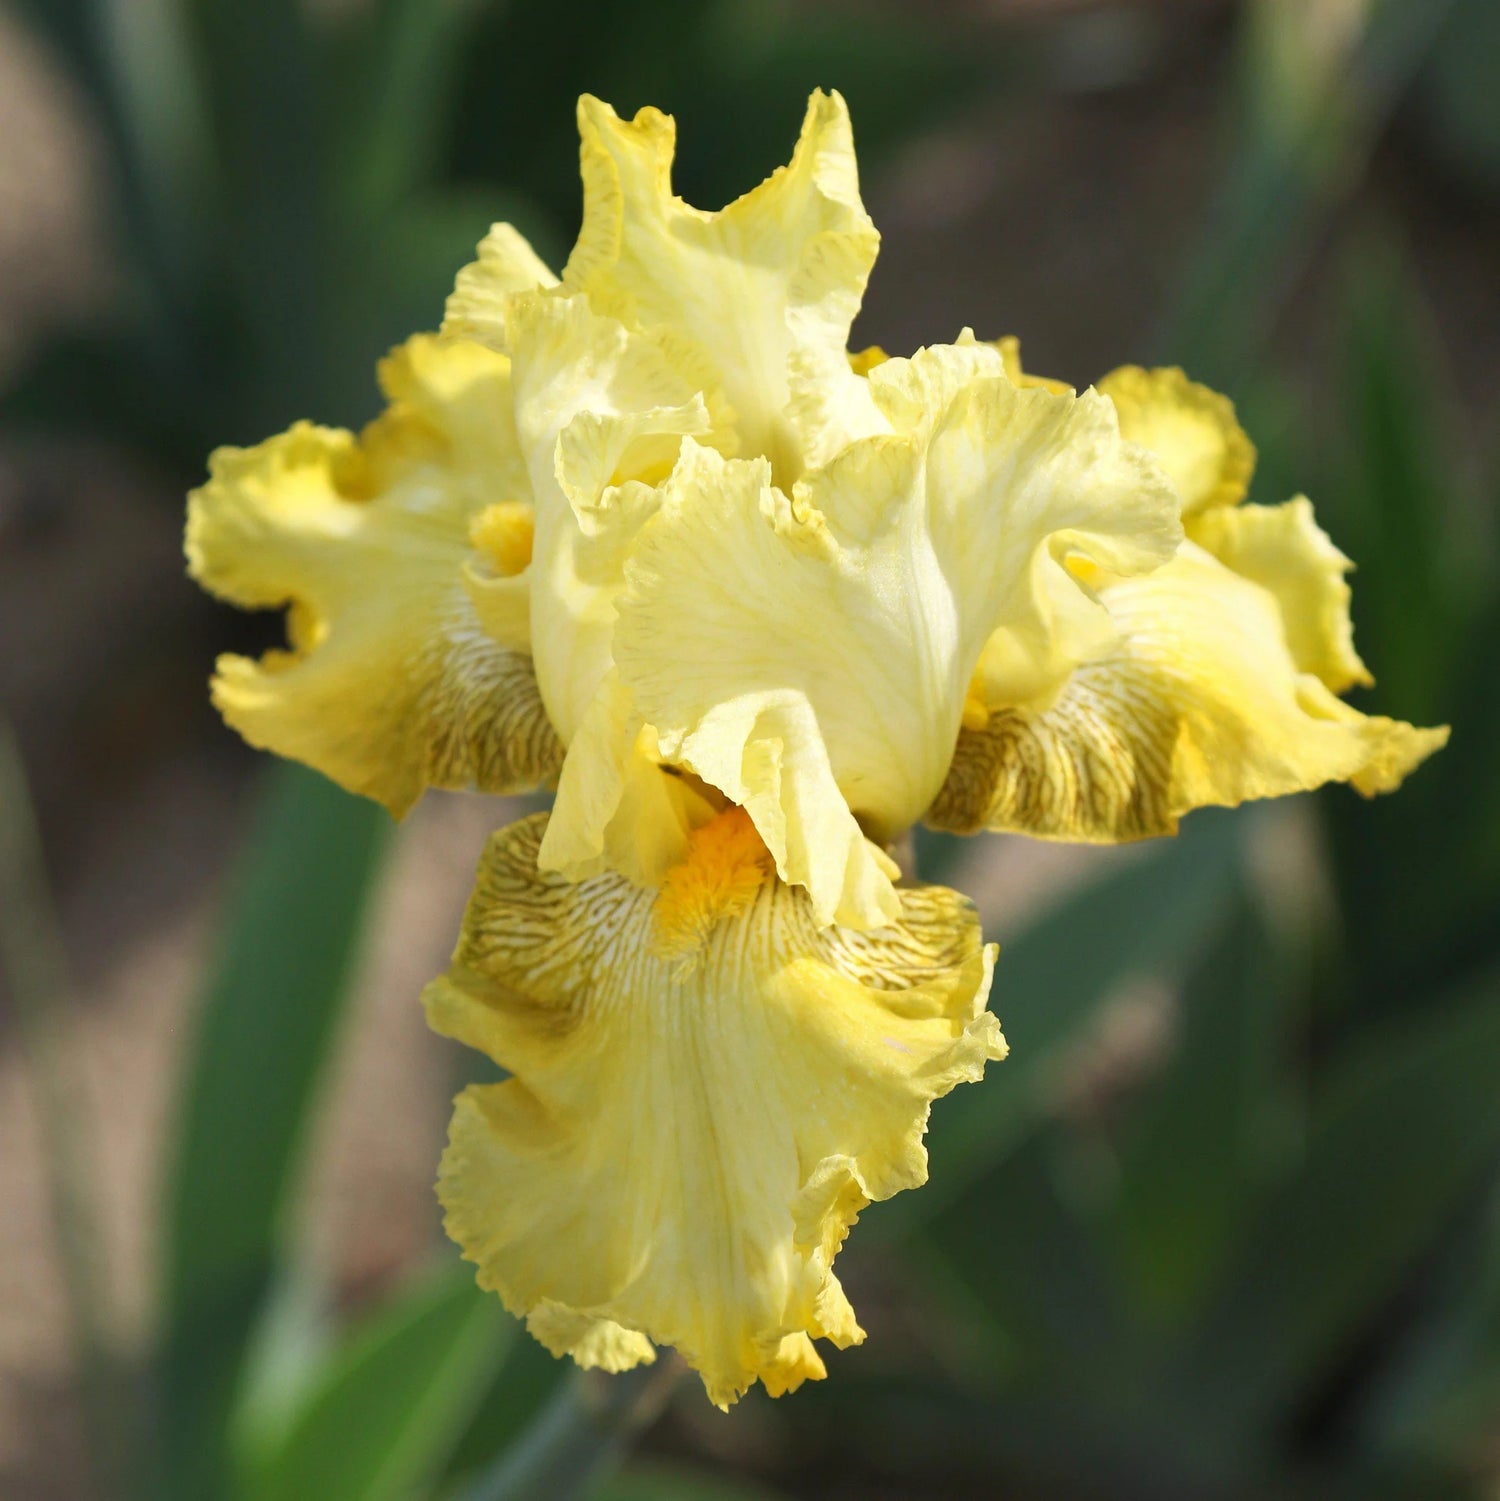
595, 1344
600, 411
617, 808
1010, 353
763, 292
506, 266
914, 394
392, 682
812, 658
1283, 549
1021, 484
449, 409
706, 1091
722, 664
1190, 428
1200, 704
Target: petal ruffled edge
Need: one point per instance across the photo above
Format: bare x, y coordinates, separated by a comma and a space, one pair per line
1284, 550
1189, 427
757, 296
1200, 705
505, 265
685, 1141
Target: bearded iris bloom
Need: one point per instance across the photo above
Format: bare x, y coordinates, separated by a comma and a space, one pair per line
648, 533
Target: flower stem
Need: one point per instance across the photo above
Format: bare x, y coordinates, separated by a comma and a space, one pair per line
34, 965
581, 1435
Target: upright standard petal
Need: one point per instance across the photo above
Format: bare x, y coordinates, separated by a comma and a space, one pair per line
706, 1091
1201, 703
812, 658
741, 605
505, 267
763, 292
600, 410
394, 552
1026, 489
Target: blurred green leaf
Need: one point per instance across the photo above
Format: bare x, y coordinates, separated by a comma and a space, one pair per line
677, 1483
1145, 921
393, 62
525, 1383
580, 1438
132, 59
258, 73
1441, 1395
381, 1420
397, 279
71, 27
273, 999
1212, 1125
77, 384
1467, 797
161, 127
1361, 1480
1022, 1439
1462, 105
1408, 1121
1021, 1251
1396, 512
1424, 569
1311, 107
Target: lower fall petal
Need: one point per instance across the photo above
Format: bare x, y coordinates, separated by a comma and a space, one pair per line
704, 1096
1283, 549
1200, 704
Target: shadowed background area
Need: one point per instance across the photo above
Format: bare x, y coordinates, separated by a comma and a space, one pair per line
1224, 1226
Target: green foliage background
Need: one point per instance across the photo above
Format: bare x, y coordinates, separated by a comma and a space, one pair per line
1269, 1269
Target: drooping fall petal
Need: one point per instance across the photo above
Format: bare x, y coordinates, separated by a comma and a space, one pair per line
706, 1090
1284, 550
1200, 704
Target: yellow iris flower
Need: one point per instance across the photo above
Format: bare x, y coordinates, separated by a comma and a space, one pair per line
755, 605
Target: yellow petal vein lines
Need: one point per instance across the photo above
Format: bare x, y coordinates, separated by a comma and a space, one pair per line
683, 1146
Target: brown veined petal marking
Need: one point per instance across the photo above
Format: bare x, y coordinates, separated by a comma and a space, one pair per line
1199, 703
706, 1089
402, 558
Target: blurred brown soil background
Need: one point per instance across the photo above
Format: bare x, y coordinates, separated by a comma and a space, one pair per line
1064, 218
